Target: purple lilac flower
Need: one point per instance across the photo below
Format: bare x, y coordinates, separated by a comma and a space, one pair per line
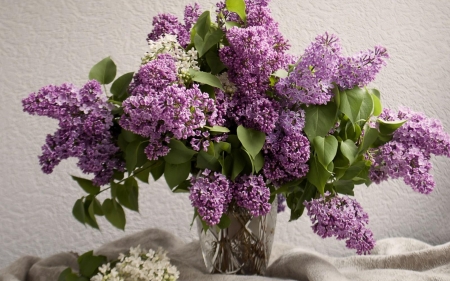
191, 14
168, 24
280, 200
286, 158
292, 122
251, 193
311, 80
219, 115
343, 218
210, 194
172, 112
361, 69
85, 123
251, 57
249, 71
154, 76
409, 152
255, 111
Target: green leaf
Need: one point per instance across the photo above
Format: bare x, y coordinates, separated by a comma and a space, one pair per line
352, 131
357, 170
326, 148
86, 185
295, 200
259, 162
205, 78
65, 273
78, 211
234, 140
198, 42
118, 175
90, 212
288, 185
104, 71
203, 24
238, 163
89, 263
238, 7
249, 167
97, 207
389, 127
114, 213
319, 119
211, 38
231, 24
281, 73
377, 107
370, 136
317, 174
252, 140
129, 136
135, 155
214, 62
220, 147
349, 150
175, 174
225, 221
375, 92
178, 153
157, 171
218, 129
144, 172
227, 165
356, 104
344, 187
120, 86
182, 187
208, 161
128, 194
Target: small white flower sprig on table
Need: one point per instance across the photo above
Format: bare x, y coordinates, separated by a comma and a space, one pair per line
138, 265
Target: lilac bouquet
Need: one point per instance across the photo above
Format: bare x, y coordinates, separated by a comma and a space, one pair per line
226, 114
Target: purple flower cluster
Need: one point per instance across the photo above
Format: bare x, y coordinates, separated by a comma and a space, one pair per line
168, 24
210, 194
254, 52
311, 80
85, 123
251, 193
361, 69
343, 218
160, 110
287, 159
321, 66
408, 154
287, 150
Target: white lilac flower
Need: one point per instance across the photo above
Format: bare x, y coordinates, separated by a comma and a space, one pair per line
184, 60
139, 265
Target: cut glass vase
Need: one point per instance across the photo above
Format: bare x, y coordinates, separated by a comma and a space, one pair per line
242, 248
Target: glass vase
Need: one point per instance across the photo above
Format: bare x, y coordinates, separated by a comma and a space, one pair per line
242, 248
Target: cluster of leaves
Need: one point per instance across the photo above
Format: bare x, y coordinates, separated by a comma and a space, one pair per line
88, 265
340, 133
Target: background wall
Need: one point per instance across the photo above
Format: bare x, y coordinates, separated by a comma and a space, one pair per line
44, 42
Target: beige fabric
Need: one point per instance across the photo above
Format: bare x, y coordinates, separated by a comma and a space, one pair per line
393, 259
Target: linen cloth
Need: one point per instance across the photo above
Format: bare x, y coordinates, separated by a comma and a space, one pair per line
392, 259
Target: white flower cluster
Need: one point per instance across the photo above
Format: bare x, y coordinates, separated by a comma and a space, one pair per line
228, 86
139, 265
184, 60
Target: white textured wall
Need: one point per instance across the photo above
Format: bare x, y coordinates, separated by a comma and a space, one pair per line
43, 42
